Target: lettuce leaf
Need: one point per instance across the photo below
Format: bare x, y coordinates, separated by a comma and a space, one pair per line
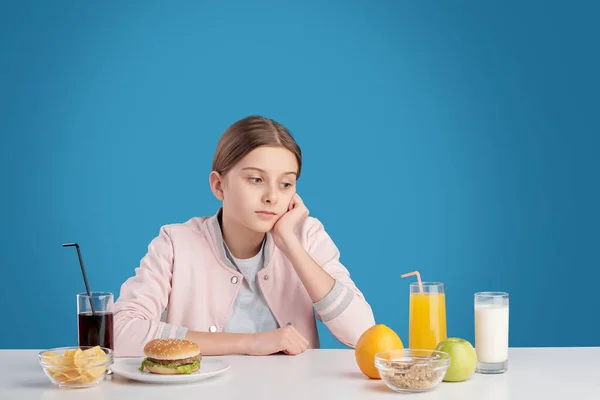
188, 368
184, 369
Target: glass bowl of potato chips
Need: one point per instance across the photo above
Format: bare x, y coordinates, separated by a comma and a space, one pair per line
76, 367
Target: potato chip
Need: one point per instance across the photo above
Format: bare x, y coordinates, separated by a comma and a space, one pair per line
90, 357
71, 353
86, 378
79, 359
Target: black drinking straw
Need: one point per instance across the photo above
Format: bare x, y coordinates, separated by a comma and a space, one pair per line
87, 287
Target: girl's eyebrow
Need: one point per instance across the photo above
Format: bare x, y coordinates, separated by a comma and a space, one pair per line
263, 171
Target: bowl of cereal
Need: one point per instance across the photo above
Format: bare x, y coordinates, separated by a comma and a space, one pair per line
412, 370
76, 367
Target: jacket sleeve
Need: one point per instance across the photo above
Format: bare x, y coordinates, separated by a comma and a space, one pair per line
142, 300
344, 310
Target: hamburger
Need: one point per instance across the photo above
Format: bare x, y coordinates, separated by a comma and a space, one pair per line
171, 357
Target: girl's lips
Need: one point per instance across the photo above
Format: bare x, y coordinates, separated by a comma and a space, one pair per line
266, 214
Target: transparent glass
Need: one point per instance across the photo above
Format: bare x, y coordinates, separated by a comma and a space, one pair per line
491, 332
95, 328
427, 320
409, 370
89, 371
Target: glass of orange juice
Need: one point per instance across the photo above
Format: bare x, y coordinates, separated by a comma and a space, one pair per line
427, 323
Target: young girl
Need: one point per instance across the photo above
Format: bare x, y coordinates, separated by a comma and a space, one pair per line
249, 279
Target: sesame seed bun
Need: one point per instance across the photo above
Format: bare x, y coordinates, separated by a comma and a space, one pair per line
171, 349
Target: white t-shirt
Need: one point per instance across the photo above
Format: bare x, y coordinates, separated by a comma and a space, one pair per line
250, 313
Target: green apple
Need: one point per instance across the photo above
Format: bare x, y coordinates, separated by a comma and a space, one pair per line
463, 359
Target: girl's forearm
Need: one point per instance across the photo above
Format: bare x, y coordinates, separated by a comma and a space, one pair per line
316, 280
220, 343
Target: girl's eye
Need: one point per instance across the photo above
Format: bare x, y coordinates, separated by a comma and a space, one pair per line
286, 185
255, 180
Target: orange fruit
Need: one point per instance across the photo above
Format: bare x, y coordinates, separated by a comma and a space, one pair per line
375, 339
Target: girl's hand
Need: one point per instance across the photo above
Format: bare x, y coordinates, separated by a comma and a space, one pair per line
287, 340
284, 228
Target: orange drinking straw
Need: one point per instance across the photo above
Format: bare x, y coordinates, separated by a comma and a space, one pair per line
418, 279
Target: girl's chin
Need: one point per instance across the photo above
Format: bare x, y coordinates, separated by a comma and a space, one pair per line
262, 225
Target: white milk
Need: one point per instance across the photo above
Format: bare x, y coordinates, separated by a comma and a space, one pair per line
491, 333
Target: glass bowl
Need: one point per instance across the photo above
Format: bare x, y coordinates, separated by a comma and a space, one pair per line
412, 370
76, 367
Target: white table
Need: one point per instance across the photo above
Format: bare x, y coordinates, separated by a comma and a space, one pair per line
533, 373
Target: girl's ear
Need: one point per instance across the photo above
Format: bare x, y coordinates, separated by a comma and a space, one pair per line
216, 185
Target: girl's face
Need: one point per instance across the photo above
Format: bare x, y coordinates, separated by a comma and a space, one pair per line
258, 190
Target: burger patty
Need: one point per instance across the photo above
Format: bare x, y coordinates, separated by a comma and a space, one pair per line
176, 363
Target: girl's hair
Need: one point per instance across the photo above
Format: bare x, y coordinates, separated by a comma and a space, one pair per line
246, 135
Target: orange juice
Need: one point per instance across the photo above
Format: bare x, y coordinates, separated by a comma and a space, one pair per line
427, 325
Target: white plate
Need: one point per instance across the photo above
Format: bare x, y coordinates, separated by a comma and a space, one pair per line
129, 368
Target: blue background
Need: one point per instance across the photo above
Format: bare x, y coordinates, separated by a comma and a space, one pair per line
457, 138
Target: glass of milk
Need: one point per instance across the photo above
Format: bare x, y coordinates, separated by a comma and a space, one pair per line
491, 332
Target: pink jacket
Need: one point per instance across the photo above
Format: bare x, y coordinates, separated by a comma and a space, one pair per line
186, 269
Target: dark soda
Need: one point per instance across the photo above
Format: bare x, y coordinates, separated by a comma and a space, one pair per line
96, 329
